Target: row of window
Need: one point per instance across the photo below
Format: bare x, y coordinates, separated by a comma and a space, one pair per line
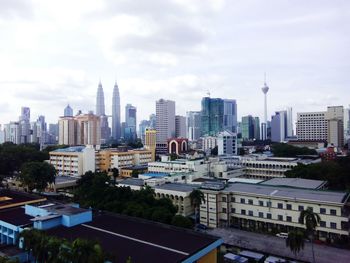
279, 205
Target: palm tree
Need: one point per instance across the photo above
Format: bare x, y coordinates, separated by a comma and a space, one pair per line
295, 241
197, 197
310, 220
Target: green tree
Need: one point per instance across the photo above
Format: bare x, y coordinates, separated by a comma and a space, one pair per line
214, 151
197, 197
286, 150
8, 260
295, 241
181, 221
37, 175
115, 173
310, 220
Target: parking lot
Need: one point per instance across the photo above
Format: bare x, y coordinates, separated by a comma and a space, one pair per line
277, 246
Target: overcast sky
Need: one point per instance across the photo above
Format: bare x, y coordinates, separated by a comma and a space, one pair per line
54, 52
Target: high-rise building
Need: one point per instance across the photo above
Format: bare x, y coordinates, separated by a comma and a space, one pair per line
144, 124
68, 111
247, 127
227, 143
12, 132
193, 125
152, 121
88, 129
256, 124
311, 126
230, 115
24, 122
180, 126
53, 133
100, 101
67, 131
264, 89
279, 126
130, 123
2, 135
116, 129
335, 125
290, 132
165, 123
150, 141
212, 116
105, 129
347, 124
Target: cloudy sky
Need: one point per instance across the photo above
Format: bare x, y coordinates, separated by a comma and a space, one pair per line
54, 52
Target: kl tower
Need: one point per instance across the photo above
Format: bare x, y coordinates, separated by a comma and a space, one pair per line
264, 89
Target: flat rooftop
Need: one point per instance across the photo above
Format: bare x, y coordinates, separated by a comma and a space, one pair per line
177, 187
132, 181
61, 179
142, 240
295, 182
15, 216
289, 193
9, 198
70, 149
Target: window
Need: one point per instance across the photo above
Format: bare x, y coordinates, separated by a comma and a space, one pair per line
250, 212
309, 207
233, 199
224, 210
233, 210
250, 201
242, 200
333, 212
280, 217
224, 198
243, 212
261, 214
289, 219
261, 203
268, 203
289, 206
280, 205
322, 223
322, 210
268, 216
300, 207
333, 225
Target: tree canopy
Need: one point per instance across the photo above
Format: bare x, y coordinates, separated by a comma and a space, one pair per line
336, 172
94, 191
37, 175
13, 156
286, 150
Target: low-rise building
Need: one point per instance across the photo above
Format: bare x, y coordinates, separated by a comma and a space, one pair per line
274, 208
73, 161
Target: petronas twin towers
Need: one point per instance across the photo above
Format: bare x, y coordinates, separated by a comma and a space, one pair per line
100, 111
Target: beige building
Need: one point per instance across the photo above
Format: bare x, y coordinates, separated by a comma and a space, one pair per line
335, 125
83, 129
108, 159
274, 208
150, 142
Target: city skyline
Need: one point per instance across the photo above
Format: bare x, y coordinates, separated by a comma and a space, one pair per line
180, 54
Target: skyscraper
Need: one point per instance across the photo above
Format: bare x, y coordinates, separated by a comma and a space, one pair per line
165, 123
24, 122
100, 111
212, 116
180, 126
193, 125
289, 122
264, 89
68, 111
247, 127
230, 115
335, 124
116, 113
100, 101
130, 123
279, 126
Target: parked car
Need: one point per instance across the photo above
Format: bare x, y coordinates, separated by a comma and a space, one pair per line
282, 235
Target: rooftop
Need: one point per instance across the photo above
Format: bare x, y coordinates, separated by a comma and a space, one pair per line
295, 182
143, 240
15, 216
132, 181
70, 149
10, 198
177, 187
289, 193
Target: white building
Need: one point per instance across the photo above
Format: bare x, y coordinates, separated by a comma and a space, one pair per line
73, 161
165, 123
274, 208
12, 132
227, 143
209, 143
193, 125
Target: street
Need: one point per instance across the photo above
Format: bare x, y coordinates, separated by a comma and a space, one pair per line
277, 246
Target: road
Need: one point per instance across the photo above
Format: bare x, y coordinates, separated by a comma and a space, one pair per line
277, 246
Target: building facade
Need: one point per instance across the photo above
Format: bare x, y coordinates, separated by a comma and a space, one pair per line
279, 127
227, 143
116, 129
165, 123
193, 125
180, 126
